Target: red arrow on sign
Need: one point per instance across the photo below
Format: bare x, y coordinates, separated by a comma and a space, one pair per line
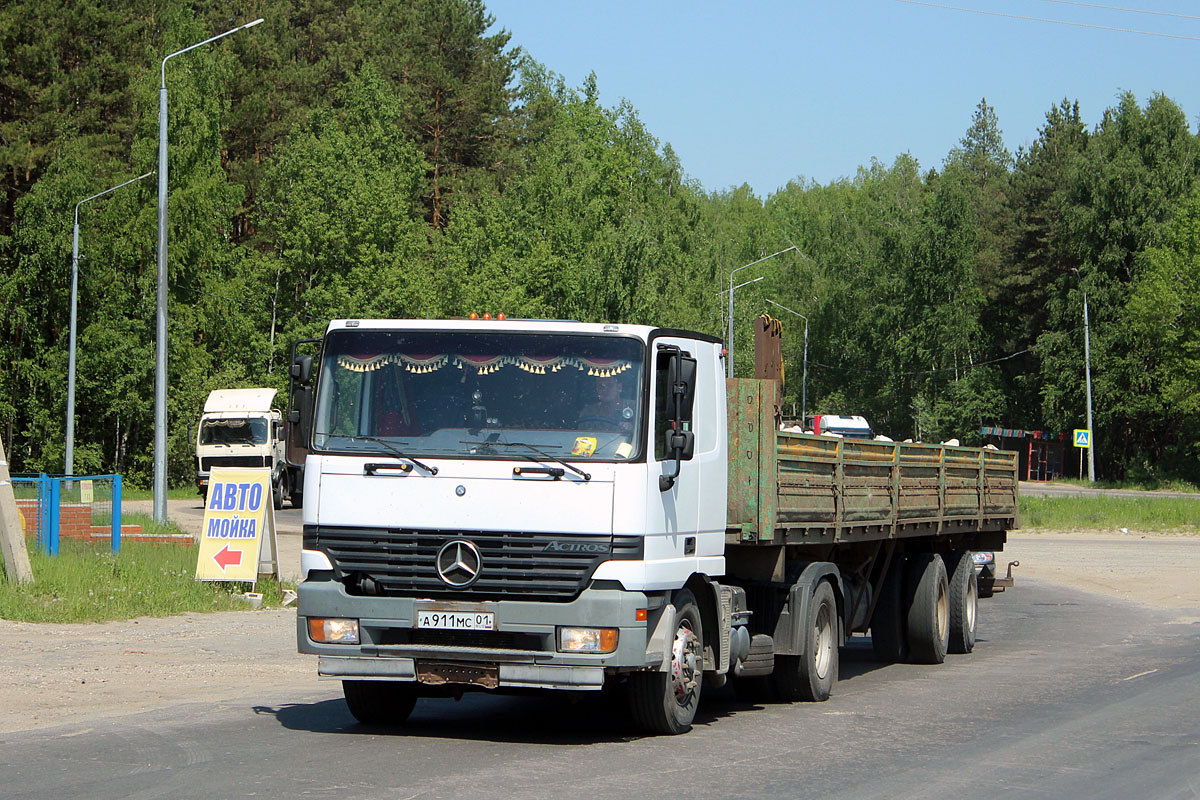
227, 558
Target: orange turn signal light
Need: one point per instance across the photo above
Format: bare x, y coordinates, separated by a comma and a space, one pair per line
640, 615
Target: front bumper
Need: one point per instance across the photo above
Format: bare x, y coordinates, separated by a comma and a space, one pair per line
521, 653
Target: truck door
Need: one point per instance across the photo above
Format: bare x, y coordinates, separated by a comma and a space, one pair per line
677, 509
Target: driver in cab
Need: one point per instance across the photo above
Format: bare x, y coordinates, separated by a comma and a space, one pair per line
610, 411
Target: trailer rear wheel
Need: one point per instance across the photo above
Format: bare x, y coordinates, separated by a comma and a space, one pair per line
812, 676
666, 702
380, 702
964, 601
887, 623
928, 609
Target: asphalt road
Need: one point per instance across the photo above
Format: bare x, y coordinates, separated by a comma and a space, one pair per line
1068, 694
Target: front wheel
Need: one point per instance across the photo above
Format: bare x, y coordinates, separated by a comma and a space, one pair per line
812, 676
666, 702
277, 494
380, 702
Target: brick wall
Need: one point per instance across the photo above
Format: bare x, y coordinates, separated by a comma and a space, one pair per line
75, 522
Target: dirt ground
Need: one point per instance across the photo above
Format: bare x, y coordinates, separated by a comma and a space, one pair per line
55, 674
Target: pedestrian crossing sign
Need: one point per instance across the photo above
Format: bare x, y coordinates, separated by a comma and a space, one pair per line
1083, 437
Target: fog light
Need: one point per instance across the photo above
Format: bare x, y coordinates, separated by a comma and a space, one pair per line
587, 640
333, 631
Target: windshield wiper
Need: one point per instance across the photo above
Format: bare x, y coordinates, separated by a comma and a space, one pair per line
392, 449
545, 455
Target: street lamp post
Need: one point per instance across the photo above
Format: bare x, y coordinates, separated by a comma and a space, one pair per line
69, 465
729, 340
160, 361
804, 379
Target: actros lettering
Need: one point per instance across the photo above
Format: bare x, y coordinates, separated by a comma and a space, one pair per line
575, 547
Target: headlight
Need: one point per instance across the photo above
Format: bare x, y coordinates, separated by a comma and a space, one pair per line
333, 631
983, 559
587, 640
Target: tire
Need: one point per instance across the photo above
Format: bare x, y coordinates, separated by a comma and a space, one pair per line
812, 676
928, 617
380, 702
666, 702
964, 601
277, 494
888, 636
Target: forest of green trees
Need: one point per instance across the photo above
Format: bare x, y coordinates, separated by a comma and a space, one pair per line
400, 158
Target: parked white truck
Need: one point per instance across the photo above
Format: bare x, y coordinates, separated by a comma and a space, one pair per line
516, 505
239, 428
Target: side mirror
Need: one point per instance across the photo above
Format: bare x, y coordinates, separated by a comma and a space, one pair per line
302, 370
679, 399
681, 384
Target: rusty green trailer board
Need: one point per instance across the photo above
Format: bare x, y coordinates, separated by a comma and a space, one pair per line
799, 489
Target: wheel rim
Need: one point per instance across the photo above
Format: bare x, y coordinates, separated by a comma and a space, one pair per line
972, 602
684, 660
943, 611
823, 641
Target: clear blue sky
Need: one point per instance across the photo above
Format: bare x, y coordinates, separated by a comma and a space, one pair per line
765, 92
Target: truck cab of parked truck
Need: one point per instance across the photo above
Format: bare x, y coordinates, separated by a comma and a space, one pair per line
239, 428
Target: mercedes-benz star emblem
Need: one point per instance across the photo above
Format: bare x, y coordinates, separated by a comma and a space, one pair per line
458, 563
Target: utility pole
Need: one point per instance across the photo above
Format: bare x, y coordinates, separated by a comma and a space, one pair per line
1087, 364
12, 538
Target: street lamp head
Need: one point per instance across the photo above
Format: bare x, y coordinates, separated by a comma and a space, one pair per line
252, 24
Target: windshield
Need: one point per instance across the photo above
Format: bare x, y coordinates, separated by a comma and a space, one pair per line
237, 430
473, 395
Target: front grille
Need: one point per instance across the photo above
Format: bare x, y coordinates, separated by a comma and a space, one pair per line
526, 566
206, 464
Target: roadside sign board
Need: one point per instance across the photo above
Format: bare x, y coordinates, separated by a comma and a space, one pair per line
1083, 437
237, 542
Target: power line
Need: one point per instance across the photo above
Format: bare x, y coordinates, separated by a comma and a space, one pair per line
1052, 21
1120, 8
962, 368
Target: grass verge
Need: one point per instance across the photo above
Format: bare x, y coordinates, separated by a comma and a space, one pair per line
178, 493
1111, 513
1164, 485
90, 583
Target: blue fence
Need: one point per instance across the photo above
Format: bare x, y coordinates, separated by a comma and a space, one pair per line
82, 507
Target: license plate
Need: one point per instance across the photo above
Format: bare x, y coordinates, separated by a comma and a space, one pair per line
457, 620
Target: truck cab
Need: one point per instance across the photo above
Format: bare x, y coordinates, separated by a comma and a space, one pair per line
239, 428
526, 494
